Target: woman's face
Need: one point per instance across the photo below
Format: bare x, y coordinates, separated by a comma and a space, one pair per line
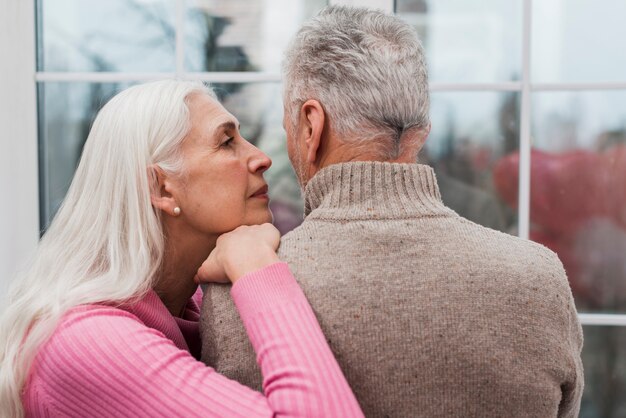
222, 186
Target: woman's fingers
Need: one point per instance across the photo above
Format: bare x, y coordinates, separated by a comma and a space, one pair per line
211, 271
241, 251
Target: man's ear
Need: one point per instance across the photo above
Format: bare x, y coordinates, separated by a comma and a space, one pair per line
312, 121
161, 191
423, 136
412, 143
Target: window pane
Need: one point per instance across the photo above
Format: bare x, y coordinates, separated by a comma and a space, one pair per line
604, 361
468, 41
576, 40
242, 35
470, 134
112, 35
578, 191
66, 111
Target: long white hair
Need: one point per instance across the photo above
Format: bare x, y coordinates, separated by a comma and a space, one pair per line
106, 241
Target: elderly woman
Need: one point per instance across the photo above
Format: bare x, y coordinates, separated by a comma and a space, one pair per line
105, 322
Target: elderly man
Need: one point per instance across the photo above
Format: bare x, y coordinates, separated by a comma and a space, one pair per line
427, 313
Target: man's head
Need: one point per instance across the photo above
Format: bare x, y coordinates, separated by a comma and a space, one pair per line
356, 88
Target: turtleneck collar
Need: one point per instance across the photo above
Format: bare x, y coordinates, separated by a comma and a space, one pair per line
373, 190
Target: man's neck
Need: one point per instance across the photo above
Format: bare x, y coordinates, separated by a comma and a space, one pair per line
345, 151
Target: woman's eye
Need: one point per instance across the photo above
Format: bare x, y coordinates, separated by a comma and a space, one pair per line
228, 142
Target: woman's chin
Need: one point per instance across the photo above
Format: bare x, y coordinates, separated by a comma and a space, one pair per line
262, 217
269, 217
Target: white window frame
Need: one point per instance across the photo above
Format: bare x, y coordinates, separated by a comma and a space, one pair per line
19, 207
22, 80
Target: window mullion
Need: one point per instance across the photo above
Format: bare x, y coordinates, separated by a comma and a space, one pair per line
525, 118
180, 38
602, 319
19, 213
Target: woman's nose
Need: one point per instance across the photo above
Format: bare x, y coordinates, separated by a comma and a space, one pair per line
259, 162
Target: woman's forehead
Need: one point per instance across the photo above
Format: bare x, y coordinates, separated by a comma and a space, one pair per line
210, 114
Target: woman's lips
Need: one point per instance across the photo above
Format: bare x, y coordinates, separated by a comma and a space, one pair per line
261, 193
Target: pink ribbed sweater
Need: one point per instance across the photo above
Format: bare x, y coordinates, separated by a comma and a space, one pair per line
139, 360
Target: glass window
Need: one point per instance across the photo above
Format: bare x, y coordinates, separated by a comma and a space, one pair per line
113, 35
66, 111
242, 35
470, 134
576, 40
468, 41
604, 361
578, 191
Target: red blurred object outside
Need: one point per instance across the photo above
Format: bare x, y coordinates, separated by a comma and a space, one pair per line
570, 192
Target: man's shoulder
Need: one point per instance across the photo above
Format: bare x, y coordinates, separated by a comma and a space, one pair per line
511, 246
517, 257
307, 232
492, 238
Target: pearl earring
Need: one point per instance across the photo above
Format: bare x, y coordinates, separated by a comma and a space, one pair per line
176, 211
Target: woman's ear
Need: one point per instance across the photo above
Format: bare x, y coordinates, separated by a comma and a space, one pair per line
161, 191
313, 119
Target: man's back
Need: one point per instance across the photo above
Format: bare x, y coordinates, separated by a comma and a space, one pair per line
427, 313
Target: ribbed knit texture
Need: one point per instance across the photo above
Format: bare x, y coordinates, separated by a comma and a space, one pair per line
138, 360
428, 314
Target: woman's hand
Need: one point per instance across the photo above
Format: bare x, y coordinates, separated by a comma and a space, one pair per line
241, 251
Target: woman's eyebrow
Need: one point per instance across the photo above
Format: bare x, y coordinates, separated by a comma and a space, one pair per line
226, 126
221, 128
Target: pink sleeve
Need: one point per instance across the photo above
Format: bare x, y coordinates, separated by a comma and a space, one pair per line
83, 370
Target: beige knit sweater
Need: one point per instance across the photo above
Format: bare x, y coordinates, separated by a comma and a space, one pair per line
428, 314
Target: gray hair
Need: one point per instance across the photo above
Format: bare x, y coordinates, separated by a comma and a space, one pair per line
367, 70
